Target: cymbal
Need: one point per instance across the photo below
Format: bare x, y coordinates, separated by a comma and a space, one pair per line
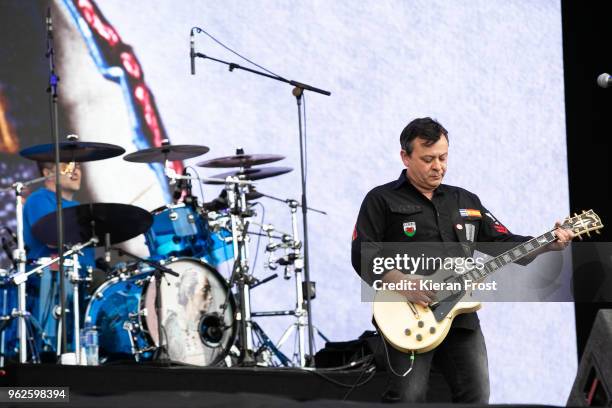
121, 221
251, 174
241, 160
72, 151
166, 152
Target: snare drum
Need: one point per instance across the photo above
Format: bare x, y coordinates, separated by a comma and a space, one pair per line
195, 329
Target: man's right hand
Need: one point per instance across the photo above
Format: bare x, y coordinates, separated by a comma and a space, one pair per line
421, 297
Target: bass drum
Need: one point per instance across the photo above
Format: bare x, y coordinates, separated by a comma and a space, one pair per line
194, 328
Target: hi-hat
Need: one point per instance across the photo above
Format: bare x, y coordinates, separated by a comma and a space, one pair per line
241, 160
72, 151
166, 152
81, 222
250, 174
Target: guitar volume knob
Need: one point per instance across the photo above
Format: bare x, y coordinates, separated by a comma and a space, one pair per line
407, 332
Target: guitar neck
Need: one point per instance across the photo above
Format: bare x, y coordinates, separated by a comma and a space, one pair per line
512, 255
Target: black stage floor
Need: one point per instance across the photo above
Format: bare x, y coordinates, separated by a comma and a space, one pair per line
154, 385
110, 382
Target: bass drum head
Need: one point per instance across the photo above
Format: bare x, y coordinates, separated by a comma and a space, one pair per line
195, 329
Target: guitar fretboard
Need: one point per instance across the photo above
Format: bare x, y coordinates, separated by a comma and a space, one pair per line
512, 255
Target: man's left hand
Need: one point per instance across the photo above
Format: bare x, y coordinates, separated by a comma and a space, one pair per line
564, 237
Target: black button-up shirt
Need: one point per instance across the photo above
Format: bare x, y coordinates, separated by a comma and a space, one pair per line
398, 212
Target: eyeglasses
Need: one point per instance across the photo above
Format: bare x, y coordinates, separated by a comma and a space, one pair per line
70, 166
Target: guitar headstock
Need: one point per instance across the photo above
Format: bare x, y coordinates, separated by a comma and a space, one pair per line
583, 223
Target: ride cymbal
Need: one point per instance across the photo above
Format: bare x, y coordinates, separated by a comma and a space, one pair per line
72, 151
166, 152
241, 160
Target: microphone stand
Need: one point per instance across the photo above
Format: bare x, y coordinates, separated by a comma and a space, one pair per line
297, 91
52, 90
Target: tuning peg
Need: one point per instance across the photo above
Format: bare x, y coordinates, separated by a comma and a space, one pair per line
580, 237
588, 233
598, 232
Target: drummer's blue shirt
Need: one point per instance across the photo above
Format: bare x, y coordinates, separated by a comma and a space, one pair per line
38, 204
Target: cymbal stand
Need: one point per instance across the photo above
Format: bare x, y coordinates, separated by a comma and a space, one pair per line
239, 212
19, 257
293, 261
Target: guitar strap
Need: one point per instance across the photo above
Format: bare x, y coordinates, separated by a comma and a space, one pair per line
467, 247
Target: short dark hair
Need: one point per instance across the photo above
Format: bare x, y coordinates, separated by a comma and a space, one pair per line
424, 128
44, 165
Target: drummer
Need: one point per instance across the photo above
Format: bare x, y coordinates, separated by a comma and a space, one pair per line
43, 201
43, 290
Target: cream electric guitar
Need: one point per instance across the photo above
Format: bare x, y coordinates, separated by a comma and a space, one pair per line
411, 327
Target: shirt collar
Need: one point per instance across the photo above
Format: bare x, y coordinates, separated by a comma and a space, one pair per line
403, 180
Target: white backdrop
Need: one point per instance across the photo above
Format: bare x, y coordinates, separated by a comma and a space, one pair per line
489, 71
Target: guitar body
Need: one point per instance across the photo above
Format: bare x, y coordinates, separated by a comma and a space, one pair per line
411, 327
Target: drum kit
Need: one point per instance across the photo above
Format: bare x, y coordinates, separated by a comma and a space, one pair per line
174, 305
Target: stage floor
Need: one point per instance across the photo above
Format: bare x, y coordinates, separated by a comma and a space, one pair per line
111, 381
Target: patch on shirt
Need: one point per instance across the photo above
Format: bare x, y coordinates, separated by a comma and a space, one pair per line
410, 228
355, 232
470, 212
500, 228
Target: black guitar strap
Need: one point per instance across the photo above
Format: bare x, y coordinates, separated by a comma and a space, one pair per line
456, 218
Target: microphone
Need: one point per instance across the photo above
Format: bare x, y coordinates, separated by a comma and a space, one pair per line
192, 53
49, 23
604, 80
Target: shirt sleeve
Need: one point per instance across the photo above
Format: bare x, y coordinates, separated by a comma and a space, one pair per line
369, 229
37, 207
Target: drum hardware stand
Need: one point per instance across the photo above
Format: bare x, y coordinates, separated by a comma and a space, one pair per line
76, 280
20, 278
295, 261
236, 192
19, 258
298, 93
267, 343
160, 270
239, 212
